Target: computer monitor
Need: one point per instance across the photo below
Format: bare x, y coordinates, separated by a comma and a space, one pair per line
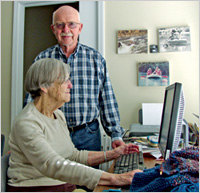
172, 119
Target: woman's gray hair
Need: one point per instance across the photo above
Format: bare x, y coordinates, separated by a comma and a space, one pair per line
43, 73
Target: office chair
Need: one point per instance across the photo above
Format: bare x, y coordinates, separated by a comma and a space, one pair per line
4, 168
2, 143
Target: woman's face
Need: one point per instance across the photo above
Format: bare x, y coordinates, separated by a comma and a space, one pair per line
60, 92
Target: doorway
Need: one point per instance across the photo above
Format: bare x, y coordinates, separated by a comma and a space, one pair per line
38, 35
92, 16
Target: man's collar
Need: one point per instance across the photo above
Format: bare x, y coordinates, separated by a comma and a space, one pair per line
75, 51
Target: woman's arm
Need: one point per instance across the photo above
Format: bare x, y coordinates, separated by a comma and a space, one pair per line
117, 179
96, 158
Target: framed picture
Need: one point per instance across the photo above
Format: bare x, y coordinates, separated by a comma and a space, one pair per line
153, 74
132, 42
175, 39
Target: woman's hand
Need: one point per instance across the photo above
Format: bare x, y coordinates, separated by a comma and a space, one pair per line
125, 149
96, 158
117, 179
117, 143
125, 178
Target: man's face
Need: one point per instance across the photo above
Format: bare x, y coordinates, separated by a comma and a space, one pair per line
67, 27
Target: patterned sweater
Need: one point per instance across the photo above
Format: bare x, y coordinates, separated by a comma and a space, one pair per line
180, 172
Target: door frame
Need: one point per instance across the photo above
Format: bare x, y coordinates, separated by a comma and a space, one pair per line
18, 44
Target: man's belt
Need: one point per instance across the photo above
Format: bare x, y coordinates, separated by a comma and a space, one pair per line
73, 129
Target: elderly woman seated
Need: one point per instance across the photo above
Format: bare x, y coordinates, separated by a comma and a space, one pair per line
43, 157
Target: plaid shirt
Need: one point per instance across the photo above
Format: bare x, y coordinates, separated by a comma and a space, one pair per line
92, 93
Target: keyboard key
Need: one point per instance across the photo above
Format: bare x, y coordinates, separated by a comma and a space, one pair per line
141, 158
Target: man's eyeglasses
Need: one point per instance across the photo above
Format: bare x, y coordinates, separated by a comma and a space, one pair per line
70, 25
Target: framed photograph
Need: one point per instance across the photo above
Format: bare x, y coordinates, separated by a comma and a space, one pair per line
132, 42
153, 74
175, 39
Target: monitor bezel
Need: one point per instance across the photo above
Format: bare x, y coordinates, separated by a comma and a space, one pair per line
177, 88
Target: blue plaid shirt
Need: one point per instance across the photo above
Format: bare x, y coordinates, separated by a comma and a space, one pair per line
92, 93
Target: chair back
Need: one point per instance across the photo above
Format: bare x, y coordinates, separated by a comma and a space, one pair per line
4, 168
2, 143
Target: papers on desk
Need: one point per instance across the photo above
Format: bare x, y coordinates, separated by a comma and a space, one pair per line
144, 145
154, 151
145, 148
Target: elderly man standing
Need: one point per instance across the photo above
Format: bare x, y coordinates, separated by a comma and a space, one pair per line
92, 94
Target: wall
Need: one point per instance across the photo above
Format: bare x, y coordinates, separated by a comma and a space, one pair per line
184, 66
151, 15
6, 61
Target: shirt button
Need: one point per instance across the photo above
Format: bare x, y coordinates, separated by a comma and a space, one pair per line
70, 120
70, 105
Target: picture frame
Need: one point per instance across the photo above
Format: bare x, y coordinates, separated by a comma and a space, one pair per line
153, 74
132, 41
175, 39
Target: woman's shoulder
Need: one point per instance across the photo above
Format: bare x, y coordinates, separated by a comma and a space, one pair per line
25, 112
26, 119
29, 115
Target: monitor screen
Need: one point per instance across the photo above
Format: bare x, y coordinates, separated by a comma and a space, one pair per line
172, 118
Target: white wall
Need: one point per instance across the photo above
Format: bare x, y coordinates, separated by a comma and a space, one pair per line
184, 66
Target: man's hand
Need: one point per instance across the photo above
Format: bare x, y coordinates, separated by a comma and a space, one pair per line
117, 143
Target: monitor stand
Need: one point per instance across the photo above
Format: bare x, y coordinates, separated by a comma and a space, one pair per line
185, 130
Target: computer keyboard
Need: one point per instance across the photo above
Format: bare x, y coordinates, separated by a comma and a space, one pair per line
129, 162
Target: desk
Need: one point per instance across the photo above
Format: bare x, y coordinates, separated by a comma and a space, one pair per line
149, 162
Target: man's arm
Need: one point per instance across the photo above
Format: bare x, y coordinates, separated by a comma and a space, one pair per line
109, 112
